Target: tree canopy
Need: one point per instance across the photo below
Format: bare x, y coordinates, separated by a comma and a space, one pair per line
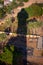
34, 10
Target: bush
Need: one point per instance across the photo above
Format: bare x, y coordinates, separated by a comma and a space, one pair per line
2, 12
32, 26
42, 11
2, 37
6, 56
5, 25
35, 24
8, 53
34, 10
39, 4
2, 1
8, 9
25, 0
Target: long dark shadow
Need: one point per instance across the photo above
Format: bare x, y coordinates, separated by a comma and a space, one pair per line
19, 42
21, 39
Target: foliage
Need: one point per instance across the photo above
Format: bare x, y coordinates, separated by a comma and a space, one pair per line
34, 24
2, 1
7, 55
2, 12
10, 6
34, 10
42, 11
2, 37
39, 4
6, 24
14, 4
8, 9
23, 0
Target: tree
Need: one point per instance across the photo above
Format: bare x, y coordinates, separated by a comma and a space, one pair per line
2, 12
34, 10
2, 1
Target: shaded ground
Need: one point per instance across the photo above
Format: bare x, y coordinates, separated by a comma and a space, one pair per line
28, 63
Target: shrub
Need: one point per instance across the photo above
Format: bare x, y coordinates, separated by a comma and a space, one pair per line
6, 56
2, 1
6, 24
25, 0
42, 11
34, 10
2, 12
39, 4
35, 24
2, 37
9, 52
